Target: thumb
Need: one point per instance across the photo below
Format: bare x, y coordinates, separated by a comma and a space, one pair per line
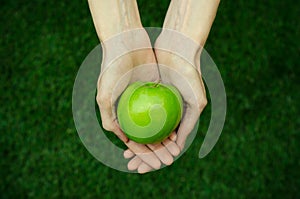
109, 123
187, 124
118, 132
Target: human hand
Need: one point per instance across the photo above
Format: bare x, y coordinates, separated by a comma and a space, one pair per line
178, 49
165, 151
179, 65
110, 86
127, 57
137, 63
125, 46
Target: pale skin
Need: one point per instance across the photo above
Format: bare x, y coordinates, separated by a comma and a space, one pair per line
189, 19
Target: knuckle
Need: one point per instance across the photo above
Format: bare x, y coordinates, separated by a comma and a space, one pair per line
108, 126
204, 102
103, 100
201, 105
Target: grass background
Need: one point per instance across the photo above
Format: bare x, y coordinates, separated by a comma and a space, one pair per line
256, 46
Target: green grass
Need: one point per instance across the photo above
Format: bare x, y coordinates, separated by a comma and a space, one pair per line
256, 46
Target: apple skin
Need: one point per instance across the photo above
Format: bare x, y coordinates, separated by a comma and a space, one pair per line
148, 112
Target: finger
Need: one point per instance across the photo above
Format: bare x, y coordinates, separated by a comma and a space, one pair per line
113, 127
108, 122
173, 136
143, 152
128, 154
186, 126
134, 163
144, 168
172, 147
118, 132
162, 153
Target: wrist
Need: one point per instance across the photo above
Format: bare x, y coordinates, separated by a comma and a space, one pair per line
107, 33
193, 18
177, 44
113, 17
125, 43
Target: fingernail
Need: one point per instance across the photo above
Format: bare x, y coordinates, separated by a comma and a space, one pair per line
173, 137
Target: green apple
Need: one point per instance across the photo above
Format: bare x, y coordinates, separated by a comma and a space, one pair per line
149, 112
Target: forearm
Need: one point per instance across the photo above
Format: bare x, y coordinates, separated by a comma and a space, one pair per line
114, 16
193, 18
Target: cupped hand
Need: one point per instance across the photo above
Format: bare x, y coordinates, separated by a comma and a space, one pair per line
165, 151
179, 63
127, 58
178, 58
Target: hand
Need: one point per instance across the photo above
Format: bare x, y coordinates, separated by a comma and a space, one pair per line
185, 74
116, 73
178, 48
125, 46
179, 64
121, 56
164, 151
